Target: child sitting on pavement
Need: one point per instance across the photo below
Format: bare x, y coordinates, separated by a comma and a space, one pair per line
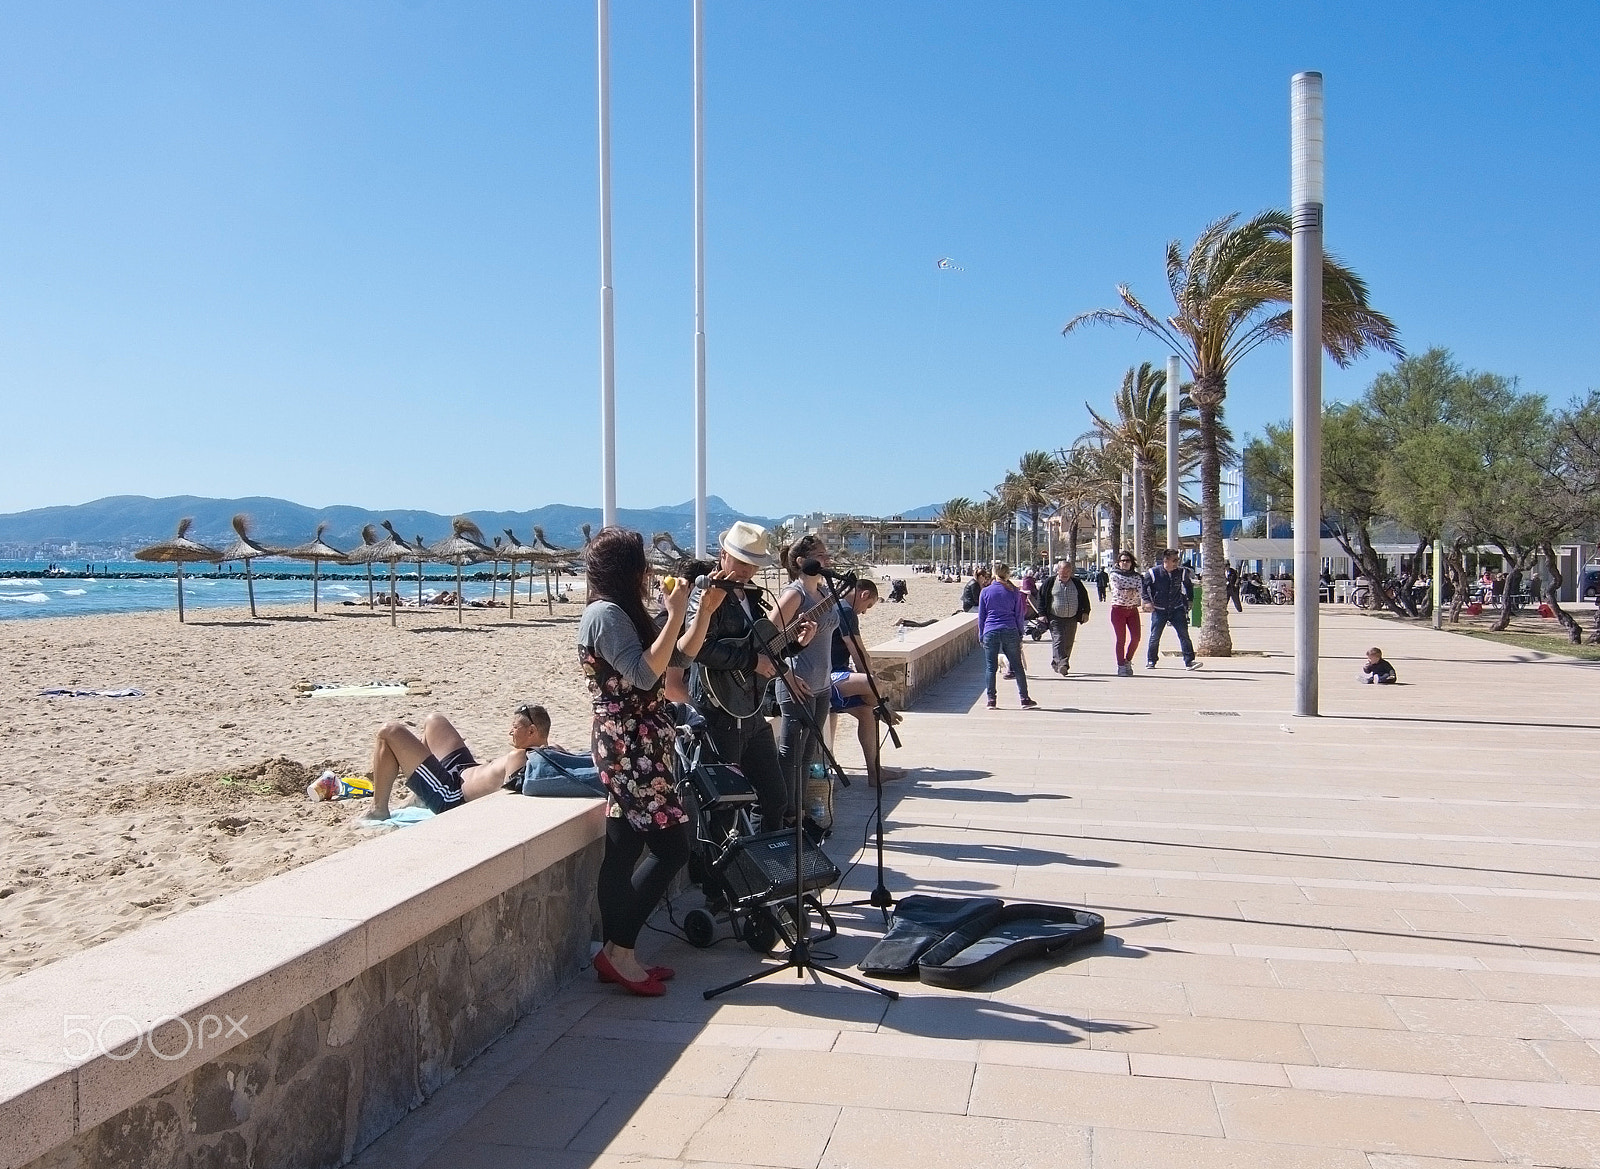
1377, 670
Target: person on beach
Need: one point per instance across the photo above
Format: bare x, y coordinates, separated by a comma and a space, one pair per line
440, 766
1065, 604
1000, 624
973, 589
803, 697
1127, 595
850, 691
1168, 593
1377, 670
625, 654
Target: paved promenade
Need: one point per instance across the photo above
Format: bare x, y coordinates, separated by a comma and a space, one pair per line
1365, 941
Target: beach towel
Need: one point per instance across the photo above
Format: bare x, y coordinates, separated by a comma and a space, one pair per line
383, 689
74, 692
400, 819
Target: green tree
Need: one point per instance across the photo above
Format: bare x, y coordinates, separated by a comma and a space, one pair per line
1231, 293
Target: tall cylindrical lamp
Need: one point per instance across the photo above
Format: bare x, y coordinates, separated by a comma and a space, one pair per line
1174, 373
1306, 202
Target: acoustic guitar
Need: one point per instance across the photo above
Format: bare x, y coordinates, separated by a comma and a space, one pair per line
731, 690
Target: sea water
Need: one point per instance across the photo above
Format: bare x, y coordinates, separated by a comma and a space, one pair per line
33, 593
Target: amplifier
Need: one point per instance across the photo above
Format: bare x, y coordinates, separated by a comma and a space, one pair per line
717, 785
760, 868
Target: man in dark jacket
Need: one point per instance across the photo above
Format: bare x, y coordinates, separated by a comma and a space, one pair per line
1168, 592
969, 592
730, 676
1065, 602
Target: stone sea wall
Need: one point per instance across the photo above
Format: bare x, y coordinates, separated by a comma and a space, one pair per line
321, 1084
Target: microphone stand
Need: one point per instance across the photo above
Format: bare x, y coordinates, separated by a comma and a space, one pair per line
799, 959
880, 897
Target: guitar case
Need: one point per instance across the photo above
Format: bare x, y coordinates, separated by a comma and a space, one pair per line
921, 922
958, 942
969, 955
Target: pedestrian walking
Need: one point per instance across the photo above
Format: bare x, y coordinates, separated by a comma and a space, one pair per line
1065, 604
1168, 593
1127, 595
1000, 622
1102, 581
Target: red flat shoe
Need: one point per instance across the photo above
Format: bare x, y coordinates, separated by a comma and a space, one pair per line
651, 987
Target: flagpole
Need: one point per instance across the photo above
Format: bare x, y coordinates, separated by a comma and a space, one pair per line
608, 388
699, 285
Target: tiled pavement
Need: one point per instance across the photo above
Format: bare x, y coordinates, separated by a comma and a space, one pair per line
1365, 941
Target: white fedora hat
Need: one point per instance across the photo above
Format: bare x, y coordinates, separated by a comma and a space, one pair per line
749, 543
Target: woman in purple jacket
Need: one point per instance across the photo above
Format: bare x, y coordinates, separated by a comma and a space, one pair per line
1001, 609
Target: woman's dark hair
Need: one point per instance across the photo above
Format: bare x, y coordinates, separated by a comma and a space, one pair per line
1125, 554
802, 549
615, 568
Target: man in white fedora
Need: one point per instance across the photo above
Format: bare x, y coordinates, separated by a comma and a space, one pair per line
728, 682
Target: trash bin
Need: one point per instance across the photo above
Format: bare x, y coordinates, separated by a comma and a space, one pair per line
1194, 607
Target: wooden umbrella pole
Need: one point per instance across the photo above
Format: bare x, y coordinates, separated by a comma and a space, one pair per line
419, 584
458, 592
549, 601
250, 586
180, 592
494, 581
511, 596
316, 565
371, 604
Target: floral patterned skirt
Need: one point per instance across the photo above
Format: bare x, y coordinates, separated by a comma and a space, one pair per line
632, 745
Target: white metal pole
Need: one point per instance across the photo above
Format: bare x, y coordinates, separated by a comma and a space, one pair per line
1306, 204
1140, 552
1438, 584
1174, 373
608, 385
699, 285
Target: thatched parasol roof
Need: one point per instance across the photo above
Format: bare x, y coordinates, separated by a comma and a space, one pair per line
316, 549
665, 552
385, 551
515, 549
243, 547
180, 549
371, 550
463, 545
554, 553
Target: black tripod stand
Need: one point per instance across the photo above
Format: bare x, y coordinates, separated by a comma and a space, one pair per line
880, 897
799, 960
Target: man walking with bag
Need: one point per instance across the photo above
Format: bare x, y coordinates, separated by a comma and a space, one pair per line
1168, 592
1065, 603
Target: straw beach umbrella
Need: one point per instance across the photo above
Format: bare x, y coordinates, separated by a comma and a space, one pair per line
362, 554
514, 550
420, 554
245, 549
316, 551
464, 545
179, 550
390, 550
554, 554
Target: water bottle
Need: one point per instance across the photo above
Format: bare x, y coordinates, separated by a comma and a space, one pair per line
819, 794
899, 632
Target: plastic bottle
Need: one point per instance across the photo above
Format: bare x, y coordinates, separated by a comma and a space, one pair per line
819, 794
899, 632
325, 787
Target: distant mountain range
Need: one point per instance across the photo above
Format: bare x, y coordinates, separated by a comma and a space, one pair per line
121, 523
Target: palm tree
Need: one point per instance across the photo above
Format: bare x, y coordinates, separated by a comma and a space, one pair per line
955, 516
1232, 293
1027, 488
1138, 438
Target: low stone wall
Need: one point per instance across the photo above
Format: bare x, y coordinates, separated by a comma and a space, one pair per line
330, 1046
905, 667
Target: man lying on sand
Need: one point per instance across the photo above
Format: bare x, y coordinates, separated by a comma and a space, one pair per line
443, 773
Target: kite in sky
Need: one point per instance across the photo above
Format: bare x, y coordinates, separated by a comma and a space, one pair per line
945, 263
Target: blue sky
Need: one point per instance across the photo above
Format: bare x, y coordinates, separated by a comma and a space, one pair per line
346, 253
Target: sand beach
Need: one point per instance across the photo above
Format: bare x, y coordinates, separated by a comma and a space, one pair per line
123, 810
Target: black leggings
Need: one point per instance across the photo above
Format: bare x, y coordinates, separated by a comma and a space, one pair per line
800, 744
624, 906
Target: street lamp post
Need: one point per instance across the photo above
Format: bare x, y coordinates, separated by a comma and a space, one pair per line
1174, 371
1306, 205
699, 286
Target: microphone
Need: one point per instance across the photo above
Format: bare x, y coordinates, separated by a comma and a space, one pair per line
732, 586
814, 568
